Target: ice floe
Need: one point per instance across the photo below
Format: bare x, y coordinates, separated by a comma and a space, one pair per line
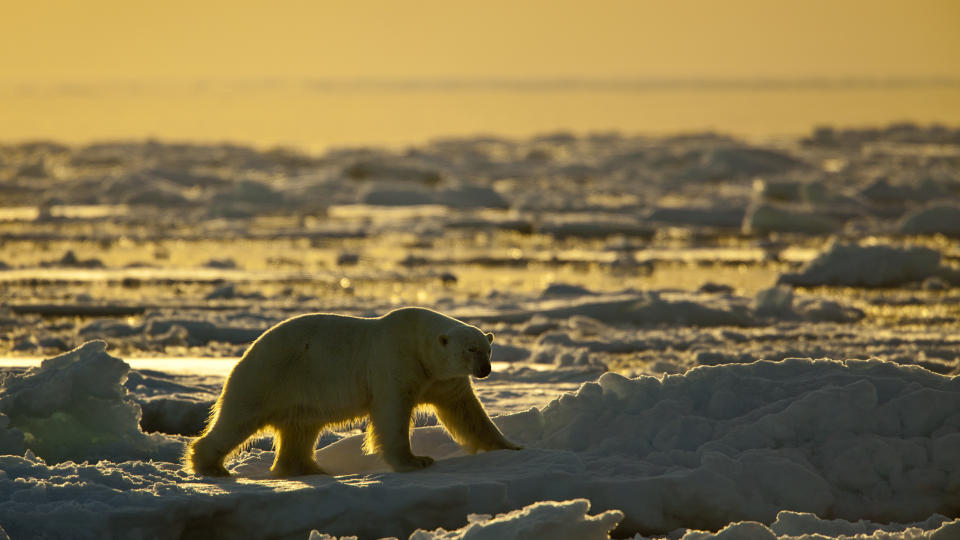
938, 219
712, 448
879, 265
74, 407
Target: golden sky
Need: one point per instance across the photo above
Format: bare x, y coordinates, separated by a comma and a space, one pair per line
53, 41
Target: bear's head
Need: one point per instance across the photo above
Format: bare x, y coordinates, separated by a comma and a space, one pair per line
466, 351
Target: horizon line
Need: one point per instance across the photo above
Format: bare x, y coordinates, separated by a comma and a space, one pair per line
537, 84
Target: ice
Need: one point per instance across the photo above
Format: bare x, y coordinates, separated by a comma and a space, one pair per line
659, 308
400, 195
766, 218
70, 259
173, 404
583, 253
202, 331
595, 227
780, 303
73, 407
144, 189
729, 162
509, 353
109, 328
404, 194
937, 219
391, 167
883, 192
630, 308
797, 524
792, 191
471, 196
879, 265
729, 218
567, 520
565, 289
855, 440
804, 526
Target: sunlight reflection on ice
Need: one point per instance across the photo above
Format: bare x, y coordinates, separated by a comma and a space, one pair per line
192, 366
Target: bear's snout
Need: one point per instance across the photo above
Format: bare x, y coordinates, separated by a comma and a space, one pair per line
482, 370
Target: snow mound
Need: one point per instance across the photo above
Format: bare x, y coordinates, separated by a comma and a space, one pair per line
567, 520
855, 440
729, 443
939, 219
738, 162
468, 196
393, 195
779, 303
881, 191
804, 526
462, 197
74, 407
201, 332
595, 227
879, 265
703, 217
766, 218
632, 308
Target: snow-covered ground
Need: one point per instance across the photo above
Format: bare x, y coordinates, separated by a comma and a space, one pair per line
769, 442
697, 337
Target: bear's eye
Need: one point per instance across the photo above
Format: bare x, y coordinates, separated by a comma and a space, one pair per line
472, 349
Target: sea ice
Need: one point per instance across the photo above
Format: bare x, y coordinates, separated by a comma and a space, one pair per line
722, 217
567, 520
74, 407
804, 526
878, 265
628, 308
719, 445
779, 303
727, 162
765, 218
937, 219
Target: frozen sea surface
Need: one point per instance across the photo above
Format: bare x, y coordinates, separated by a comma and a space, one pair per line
848, 441
656, 302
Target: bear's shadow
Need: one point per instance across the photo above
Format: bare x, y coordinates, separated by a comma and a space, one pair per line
346, 457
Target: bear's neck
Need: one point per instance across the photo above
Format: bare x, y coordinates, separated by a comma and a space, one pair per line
415, 337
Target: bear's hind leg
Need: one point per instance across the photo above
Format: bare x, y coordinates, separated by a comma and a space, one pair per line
296, 445
205, 455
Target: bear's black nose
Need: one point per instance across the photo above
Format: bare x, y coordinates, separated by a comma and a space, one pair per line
482, 370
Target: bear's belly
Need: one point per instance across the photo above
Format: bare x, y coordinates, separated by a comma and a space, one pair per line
308, 414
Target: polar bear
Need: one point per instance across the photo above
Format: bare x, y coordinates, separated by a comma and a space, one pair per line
324, 370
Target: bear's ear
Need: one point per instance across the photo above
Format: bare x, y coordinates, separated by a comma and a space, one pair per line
443, 339
490, 337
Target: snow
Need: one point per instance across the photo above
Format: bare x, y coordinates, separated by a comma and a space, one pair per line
764, 218
940, 218
567, 520
706, 217
58, 409
854, 440
733, 161
628, 307
876, 265
656, 303
404, 194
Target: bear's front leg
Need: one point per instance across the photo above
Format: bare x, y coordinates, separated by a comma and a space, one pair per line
389, 433
462, 414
